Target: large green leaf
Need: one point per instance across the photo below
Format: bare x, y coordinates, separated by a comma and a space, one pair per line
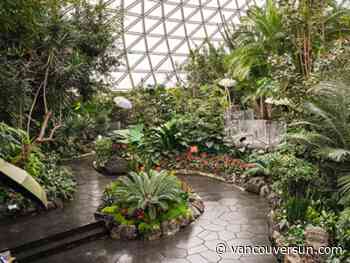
22, 182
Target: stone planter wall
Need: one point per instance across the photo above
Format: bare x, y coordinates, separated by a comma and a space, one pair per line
167, 228
115, 166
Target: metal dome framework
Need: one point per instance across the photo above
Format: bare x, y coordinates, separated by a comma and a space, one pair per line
157, 36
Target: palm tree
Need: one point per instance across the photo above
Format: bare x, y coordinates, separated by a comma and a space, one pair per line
327, 129
260, 34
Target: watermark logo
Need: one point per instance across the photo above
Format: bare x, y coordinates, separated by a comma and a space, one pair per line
223, 248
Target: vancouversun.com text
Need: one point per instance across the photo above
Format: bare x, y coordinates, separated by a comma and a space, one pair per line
225, 248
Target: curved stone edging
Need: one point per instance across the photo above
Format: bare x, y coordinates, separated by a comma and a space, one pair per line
188, 172
167, 228
198, 173
79, 157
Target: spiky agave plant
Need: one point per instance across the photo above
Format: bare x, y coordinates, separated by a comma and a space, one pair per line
148, 191
327, 128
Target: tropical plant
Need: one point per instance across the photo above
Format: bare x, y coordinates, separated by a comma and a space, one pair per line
104, 151
311, 28
205, 66
292, 176
24, 182
84, 121
327, 129
260, 35
50, 52
167, 138
11, 141
58, 181
296, 209
343, 229
152, 192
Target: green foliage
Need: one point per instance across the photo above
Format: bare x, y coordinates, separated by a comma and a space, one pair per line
57, 181
114, 210
153, 106
295, 236
326, 132
145, 228
103, 150
259, 35
343, 229
85, 120
11, 141
46, 54
170, 120
293, 177
34, 165
202, 123
141, 149
296, 209
175, 211
167, 138
325, 219
205, 66
152, 192
288, 43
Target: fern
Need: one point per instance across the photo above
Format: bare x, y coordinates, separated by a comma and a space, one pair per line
327, 128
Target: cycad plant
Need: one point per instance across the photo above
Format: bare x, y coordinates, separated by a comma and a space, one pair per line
151, 192
327, 128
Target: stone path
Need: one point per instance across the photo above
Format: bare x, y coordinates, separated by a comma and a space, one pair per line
231, 217
14, 232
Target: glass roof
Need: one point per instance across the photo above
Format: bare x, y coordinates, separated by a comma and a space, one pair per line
158, 35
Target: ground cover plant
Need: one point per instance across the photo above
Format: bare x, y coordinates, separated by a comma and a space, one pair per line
289, 61
144, 201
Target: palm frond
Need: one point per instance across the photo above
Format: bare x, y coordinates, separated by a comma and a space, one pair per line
344, 184
335, 154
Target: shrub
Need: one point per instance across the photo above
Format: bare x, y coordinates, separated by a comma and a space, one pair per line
11, 141
57, 181
145, 228
326, 131
296, 209
293, 177
343, 229
295, 236
175, 211
114, 210
151, 192
103, 150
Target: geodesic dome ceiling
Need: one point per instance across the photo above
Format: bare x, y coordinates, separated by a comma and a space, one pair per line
158, 35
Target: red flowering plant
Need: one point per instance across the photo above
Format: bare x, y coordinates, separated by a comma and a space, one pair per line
219, 164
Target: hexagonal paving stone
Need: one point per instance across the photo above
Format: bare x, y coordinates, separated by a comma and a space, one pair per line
196, 259
230, 216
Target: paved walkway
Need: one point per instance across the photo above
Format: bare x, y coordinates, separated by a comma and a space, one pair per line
231, 217
14, 232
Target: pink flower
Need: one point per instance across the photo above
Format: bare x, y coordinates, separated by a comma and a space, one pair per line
194, 149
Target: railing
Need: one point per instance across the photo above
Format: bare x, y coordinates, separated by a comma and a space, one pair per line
241, 129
